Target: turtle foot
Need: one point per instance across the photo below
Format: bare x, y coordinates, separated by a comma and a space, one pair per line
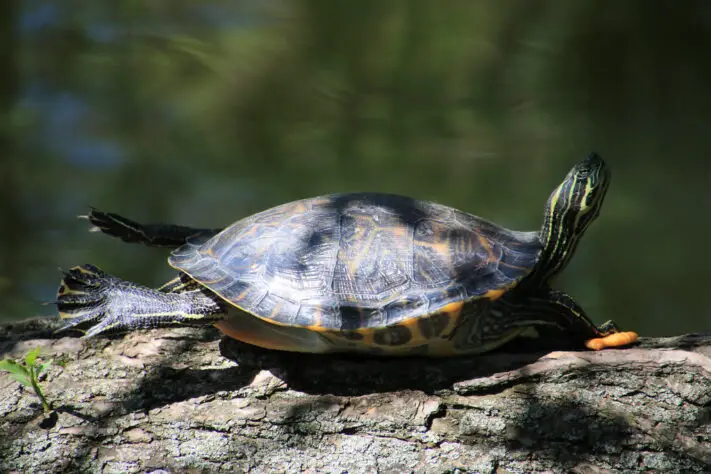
82, 299
617, 339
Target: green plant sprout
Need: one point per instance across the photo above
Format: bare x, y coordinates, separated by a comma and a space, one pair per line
28, 373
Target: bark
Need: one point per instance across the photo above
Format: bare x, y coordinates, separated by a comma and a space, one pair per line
176, 400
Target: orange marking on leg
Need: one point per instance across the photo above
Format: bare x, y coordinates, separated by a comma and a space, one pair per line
613, 340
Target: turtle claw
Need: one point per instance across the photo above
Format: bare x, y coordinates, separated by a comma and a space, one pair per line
77, 319
99, 318
70, 326
609, 327
106, 325
81, 297
91, 217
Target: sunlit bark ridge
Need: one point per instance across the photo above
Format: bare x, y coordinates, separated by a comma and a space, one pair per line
176, 400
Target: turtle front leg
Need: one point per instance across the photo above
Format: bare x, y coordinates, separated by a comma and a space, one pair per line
87, 296
154, 235
605, 336
549, 307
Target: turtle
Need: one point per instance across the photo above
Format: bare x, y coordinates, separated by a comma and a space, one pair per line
357, 272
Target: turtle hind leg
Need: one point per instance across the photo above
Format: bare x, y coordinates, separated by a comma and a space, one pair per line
87, 296
154, 235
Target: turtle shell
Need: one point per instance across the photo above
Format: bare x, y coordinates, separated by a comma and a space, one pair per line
352, 262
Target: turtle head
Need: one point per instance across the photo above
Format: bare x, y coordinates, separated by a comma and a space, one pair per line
578, 199
571, 207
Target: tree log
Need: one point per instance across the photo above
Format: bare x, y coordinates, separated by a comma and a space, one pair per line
184, 399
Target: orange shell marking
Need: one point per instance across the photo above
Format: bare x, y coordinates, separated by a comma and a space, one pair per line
252, 337
453, 309
613, 340
495, 294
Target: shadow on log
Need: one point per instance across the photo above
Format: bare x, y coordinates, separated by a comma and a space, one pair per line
183, 399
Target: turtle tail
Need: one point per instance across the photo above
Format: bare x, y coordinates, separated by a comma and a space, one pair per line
154, 235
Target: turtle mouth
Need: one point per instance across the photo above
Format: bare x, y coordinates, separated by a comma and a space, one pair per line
590, 166
593, 160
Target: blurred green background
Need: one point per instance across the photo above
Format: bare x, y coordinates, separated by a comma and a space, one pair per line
200, 113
